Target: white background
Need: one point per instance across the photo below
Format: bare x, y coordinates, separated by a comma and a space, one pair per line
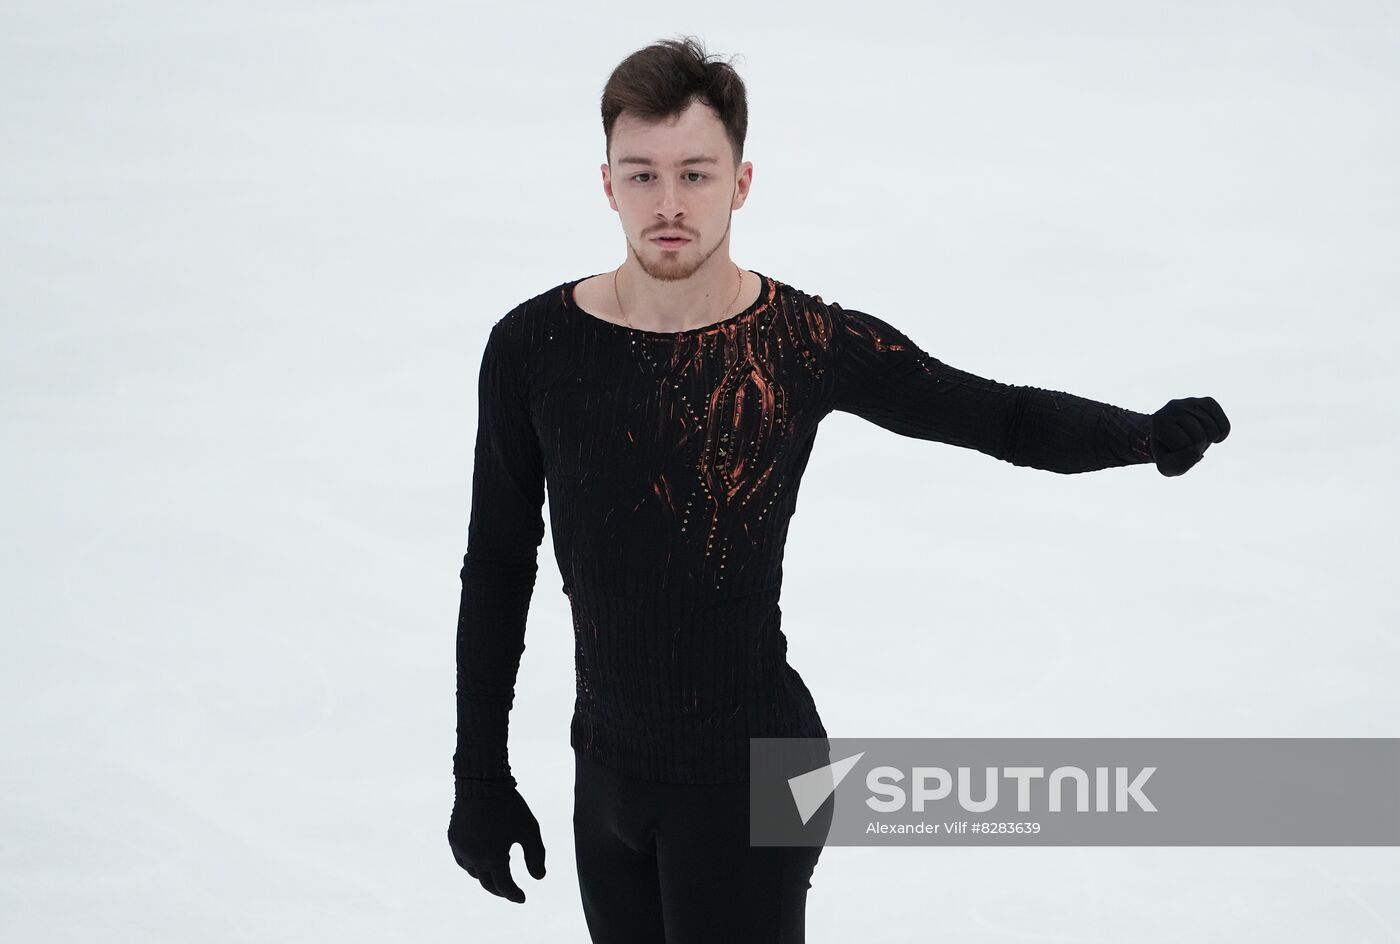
251, 253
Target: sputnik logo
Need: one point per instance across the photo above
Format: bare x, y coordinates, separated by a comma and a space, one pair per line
810, 790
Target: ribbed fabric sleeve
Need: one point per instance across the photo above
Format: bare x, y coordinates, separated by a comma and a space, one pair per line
498, 570
886, 378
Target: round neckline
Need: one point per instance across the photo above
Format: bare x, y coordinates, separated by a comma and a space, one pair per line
764, 290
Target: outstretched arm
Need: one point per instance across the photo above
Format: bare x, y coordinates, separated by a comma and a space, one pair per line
887, 379
498, 571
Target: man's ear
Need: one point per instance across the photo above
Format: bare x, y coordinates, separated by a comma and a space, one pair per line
607, 185
742, 183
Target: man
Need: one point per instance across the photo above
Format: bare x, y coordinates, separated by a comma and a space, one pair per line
672, 405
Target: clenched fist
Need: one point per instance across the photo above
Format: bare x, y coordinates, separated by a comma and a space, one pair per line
482, 831
1183, 429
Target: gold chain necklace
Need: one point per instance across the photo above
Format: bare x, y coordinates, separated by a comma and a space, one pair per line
726, 307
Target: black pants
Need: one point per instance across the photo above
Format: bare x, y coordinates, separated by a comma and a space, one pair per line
670, 863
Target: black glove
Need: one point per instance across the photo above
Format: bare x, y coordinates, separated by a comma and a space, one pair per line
485, 824
1183, 430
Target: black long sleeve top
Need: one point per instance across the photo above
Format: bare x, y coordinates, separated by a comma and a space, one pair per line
673, 461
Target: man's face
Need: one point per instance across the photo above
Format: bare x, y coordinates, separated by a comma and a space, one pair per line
661, 194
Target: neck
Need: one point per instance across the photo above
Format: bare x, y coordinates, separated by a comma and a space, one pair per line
662, 303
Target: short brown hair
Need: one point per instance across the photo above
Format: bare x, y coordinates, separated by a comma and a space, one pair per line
661, 80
